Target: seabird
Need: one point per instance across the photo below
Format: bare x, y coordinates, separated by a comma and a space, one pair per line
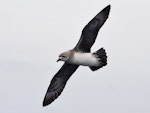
79, 55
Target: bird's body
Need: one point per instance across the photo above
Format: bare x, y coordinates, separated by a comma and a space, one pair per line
80, 55
84, 59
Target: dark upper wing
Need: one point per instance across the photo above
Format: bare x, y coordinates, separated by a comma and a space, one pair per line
90, 31
58, 82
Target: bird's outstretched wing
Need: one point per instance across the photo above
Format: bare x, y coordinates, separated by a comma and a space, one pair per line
58, 82
85, 43
90, 31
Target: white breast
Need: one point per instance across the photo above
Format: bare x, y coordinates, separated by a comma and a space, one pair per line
85, 59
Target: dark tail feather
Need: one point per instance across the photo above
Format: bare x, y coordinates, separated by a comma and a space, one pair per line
101, 54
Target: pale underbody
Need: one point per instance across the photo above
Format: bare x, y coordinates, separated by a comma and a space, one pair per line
85, 59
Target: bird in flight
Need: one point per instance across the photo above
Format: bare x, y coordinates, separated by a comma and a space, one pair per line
80, 55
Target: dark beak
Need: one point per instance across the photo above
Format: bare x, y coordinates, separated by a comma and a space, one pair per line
58, 60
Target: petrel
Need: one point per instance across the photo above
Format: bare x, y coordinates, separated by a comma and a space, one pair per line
79, 55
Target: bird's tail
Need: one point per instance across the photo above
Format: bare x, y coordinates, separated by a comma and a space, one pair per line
102, 58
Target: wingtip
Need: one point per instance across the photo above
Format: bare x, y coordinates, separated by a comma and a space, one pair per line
107, 9
109, 6
45, 103
104, 13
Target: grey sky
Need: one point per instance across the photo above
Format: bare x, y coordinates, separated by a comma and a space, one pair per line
34, 32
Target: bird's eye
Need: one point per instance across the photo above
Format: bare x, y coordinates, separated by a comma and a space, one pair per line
63, 56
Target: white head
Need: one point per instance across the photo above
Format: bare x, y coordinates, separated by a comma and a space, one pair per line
65, 56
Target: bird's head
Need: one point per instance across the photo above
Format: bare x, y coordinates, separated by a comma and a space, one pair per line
64, 56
